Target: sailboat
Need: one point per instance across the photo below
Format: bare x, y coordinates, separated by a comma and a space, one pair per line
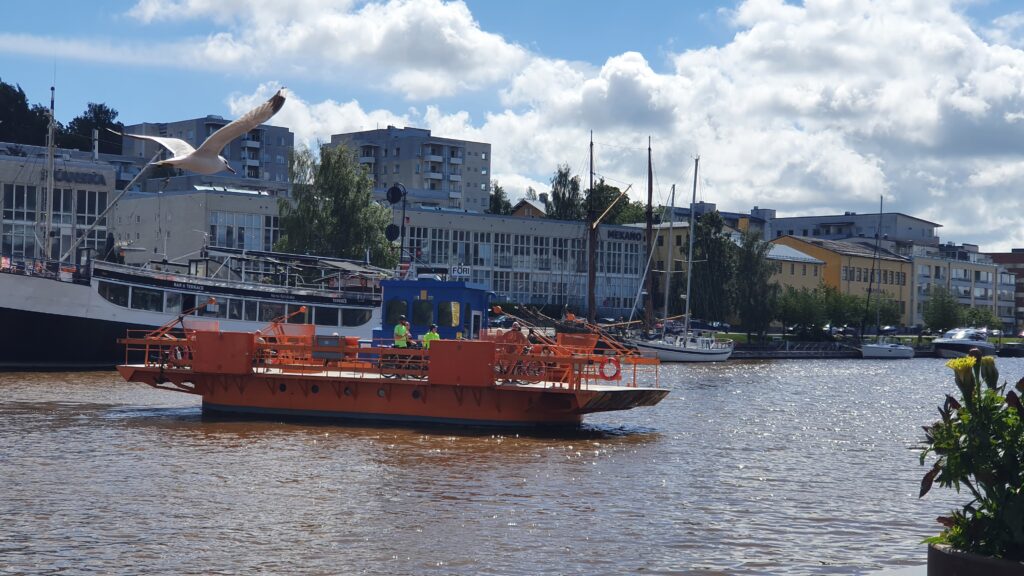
883, 348
686, 347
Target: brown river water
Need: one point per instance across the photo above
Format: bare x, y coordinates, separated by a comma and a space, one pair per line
755, 467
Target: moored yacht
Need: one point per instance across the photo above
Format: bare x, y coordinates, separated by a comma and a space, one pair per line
959, 341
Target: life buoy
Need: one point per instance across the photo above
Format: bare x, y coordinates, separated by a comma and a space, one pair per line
615, 368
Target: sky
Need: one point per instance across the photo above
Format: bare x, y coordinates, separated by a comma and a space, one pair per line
808, 108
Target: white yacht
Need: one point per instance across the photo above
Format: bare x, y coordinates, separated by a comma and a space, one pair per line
959, 341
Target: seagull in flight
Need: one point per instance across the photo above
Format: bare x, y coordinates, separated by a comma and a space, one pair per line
207, 159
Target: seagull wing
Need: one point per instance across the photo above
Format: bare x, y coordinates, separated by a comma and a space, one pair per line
176, 146
251, 119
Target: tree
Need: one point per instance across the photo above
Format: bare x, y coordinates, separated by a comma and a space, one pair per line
601, 197
941, 311
883, 311
756, 296
632, 213
713, 265
981, 317
802, 309
564, 202
19, 123
78, 133
531, 194
332, 212
841, 309
499, 203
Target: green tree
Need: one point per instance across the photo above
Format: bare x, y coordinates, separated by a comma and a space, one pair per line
713, 266
19, 122
332, 212
941, 311
632, 213
883, 311
600, 198
756, 296
531, 194
981, 317
564, 201
499, 202
78, 133
841, 309
804, 310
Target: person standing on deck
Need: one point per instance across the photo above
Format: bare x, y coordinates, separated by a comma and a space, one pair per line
402, 333
430, 336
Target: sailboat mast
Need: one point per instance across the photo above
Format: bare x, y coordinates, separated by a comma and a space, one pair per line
669, 260
871, 279
592, 241
649, 298
48, 198
689, 256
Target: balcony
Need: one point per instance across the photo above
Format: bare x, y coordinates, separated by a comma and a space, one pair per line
433, 176
250, 143
250, 162
455, 160
434, 158
367, 159
455, 177
455, 195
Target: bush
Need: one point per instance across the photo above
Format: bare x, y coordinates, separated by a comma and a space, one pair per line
979, 444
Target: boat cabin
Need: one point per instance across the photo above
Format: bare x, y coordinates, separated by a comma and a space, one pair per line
458, 308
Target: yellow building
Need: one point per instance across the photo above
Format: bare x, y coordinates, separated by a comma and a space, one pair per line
795, 269
849, 265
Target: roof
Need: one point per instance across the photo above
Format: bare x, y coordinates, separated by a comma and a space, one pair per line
537, 204
790, 254
864, 249
849, 217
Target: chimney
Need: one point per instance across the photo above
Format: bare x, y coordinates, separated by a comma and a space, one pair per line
95, 144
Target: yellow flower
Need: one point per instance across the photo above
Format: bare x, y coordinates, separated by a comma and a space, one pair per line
989, 372
960, 364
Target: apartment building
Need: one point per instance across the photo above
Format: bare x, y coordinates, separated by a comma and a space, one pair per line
436, 172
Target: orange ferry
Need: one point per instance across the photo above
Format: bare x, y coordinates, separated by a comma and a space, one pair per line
472, 376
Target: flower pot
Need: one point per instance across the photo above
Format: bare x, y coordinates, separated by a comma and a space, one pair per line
945, 561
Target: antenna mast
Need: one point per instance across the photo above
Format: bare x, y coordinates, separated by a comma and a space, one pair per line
48, 195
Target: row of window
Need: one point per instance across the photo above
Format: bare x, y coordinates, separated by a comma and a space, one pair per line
448, 314
156, 300
855, 274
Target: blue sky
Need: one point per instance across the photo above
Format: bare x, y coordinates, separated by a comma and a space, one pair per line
806, 107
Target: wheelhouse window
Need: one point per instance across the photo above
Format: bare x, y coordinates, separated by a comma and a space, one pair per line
218, 309
147, 299
422, 312
172, 302
359, 316
114, 293
396, 307
448, 314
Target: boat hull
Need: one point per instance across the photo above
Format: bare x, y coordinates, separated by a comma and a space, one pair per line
338, 395
667, 352
887, 351
960, 348
54, 325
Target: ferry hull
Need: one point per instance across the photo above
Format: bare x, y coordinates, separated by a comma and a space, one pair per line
332, 395
33, 340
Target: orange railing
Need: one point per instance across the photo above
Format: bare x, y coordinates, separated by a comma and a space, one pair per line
569, 361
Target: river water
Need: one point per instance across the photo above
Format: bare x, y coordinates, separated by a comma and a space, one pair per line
753, 467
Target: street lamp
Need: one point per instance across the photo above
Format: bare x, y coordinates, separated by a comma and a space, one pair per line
397, 193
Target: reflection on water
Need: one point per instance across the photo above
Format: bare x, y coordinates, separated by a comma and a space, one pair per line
791, 467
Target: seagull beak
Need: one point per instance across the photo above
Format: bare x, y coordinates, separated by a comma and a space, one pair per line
230, 169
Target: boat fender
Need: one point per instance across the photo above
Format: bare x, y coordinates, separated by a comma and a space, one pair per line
611, 368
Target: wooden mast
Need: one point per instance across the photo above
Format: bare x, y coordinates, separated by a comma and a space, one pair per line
592, 240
